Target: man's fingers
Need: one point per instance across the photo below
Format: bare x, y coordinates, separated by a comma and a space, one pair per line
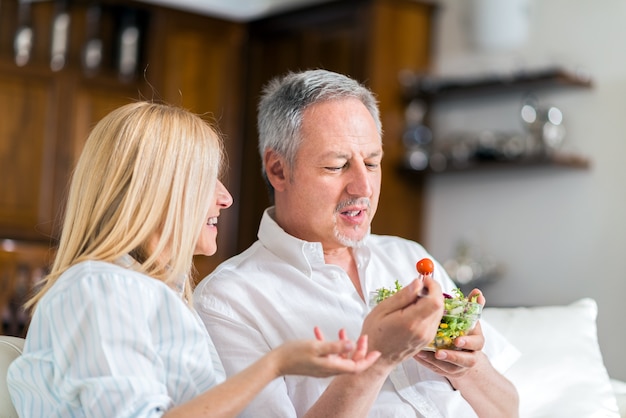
406, 296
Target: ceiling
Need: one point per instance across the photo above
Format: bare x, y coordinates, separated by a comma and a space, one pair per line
236, 10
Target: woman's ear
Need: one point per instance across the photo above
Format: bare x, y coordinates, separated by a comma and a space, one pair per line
276, 169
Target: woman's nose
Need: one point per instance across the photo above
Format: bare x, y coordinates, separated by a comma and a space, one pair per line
224, 198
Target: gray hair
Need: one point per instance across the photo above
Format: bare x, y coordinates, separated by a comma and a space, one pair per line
284, 100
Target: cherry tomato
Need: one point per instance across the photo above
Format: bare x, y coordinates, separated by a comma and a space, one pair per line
425, 266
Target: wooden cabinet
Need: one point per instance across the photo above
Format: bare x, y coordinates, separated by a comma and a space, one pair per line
46, 115
370, 40
45, 120
210, 66
27, 154
199, 63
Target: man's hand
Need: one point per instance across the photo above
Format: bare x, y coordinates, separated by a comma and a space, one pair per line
456, 363
401, 325
469, 371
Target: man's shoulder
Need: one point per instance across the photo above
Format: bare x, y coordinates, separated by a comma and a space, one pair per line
237, 265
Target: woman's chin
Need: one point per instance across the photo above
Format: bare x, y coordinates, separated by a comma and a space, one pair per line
206, 250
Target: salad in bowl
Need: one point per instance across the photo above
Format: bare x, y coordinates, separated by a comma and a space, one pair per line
460, 313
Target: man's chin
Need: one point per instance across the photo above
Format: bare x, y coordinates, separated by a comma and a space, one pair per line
352, 240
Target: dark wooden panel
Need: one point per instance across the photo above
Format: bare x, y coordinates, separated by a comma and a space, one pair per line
370, 40
27, 153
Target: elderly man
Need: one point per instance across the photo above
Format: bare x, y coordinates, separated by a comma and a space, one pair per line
315, 262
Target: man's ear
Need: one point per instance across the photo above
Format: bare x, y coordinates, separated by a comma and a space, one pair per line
276, 169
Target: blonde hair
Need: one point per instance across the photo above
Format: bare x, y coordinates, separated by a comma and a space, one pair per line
146, 175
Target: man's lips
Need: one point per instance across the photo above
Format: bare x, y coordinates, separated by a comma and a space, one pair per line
353, 215
354, 211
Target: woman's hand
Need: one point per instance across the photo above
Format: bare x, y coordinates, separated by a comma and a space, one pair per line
319, 358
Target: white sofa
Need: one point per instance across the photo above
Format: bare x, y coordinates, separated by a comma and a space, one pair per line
10, 349
559, 375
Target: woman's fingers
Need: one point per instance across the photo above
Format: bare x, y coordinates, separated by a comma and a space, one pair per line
361, 348
344, 355
341, 357
343, 335
318, 334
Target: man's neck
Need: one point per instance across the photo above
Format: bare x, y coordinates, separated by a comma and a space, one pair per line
344, 258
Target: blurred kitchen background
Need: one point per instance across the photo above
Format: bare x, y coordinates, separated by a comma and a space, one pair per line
502, 124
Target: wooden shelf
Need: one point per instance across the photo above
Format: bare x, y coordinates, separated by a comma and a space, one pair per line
555, 160
432, 88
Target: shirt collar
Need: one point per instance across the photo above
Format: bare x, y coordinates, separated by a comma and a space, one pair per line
128, 262
301, 254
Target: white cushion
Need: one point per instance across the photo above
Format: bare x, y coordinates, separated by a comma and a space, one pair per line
619, 388
10, 349
561, 372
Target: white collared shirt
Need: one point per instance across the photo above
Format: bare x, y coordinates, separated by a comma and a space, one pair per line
107, 341
280, 288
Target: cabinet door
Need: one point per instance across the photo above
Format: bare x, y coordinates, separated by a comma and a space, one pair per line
91, 103
400, 40
369, 40
28, 119
198, 62
332, 36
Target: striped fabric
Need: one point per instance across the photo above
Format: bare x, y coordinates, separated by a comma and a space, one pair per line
107, 341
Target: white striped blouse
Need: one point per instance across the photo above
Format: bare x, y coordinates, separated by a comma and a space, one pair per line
106, 341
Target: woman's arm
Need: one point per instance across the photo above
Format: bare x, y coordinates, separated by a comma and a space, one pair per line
309, 357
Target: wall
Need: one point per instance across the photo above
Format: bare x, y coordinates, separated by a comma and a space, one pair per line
559, 234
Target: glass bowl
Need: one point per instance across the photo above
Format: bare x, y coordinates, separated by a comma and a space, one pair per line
459, 317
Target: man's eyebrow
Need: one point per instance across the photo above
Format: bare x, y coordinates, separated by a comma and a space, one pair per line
334, 154
341, 154
378, 153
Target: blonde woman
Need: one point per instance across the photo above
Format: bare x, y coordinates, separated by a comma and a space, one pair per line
113, 333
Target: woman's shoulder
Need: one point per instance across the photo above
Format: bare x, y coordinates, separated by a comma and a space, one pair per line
98, 270
93, 277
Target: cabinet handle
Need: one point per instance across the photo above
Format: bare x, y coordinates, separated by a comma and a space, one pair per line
60, 36
92, 51
23, 41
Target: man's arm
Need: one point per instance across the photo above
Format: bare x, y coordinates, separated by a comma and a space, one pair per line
351, 395
397, 327
488, 392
